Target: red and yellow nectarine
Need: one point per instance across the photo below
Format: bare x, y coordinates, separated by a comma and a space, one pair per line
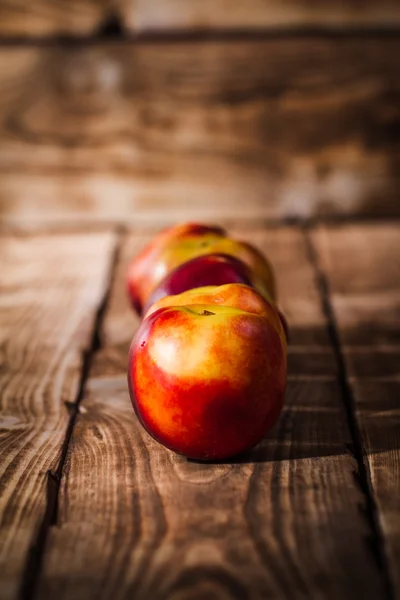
207, 381
146, 266
180, 244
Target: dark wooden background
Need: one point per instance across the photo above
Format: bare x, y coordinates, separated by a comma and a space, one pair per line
144, 111
282, 120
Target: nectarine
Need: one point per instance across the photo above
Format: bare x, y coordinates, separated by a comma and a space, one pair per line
185, 242
146, 267
209, 269
207, 381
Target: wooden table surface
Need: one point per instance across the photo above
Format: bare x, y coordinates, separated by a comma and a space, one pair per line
280, 120
94, 508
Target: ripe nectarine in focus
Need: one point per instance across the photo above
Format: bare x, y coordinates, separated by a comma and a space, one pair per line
207, 381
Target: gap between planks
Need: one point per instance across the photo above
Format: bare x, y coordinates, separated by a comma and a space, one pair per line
34, 559
176, 36
64, 226
363, 476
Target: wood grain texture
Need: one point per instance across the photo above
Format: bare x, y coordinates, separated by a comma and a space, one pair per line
23, 18
161, 15
135, 520
155, 133
51, 288
362, 264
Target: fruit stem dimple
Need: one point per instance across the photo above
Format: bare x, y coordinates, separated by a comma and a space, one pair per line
206, 312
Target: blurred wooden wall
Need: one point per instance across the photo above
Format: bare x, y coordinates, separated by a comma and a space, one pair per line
151, 111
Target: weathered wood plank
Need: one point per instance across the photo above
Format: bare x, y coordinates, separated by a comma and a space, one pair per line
51, 288
135, 520
362, 263
363, 266
22, 18
144, 133
144, 15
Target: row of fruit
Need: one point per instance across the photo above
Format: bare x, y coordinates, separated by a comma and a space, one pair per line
207, 366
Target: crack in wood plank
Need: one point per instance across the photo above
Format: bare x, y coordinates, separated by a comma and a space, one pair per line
363, 475
33, 564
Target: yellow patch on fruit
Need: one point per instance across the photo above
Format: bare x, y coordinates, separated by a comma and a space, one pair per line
207, 350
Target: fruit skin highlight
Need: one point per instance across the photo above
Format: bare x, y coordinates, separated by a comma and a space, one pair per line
179, 244
207, 381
